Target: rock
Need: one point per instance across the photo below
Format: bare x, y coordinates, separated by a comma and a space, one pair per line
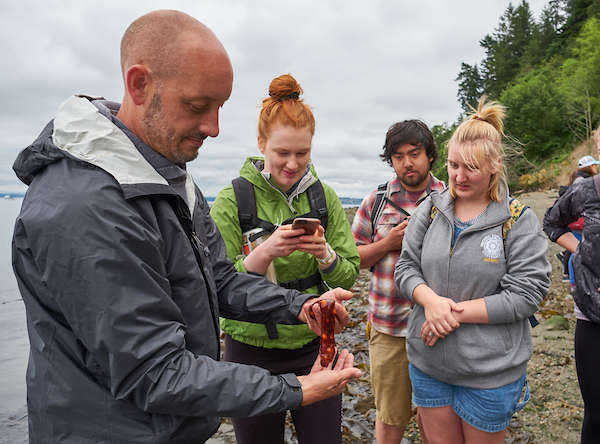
557, 322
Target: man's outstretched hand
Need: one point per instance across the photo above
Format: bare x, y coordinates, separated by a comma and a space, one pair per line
339, 295
322, 383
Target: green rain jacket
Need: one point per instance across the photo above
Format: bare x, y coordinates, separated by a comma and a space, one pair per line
275, 206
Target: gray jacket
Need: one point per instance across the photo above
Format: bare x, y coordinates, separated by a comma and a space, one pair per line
513, 280
122, 307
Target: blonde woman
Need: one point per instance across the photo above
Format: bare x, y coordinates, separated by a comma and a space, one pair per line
474, 262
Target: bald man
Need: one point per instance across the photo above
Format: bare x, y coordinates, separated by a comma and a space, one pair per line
123, 272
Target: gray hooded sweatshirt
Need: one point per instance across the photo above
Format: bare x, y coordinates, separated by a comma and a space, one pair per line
513, 279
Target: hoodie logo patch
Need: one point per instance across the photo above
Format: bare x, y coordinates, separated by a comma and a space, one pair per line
492, 247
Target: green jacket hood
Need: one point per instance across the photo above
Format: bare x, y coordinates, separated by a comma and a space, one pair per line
253, 171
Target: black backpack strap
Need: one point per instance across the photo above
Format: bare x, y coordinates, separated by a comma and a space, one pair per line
303, 284
378, 206
246, 200
318, 203
272, 331
396, 206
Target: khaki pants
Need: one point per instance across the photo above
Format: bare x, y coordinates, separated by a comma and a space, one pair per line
389, 377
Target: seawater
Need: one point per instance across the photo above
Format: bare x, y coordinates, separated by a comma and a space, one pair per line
14, 344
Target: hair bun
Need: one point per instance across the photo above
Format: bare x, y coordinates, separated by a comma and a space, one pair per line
285, 87
284, 106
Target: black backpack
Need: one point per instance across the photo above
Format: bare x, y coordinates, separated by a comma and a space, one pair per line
246, 199
244, 193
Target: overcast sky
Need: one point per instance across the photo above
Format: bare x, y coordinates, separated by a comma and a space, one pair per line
363, 65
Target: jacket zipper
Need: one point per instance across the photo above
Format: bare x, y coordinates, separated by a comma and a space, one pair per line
186, 219
200, 247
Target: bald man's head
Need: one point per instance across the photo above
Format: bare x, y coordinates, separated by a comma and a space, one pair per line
154, 40
177, 76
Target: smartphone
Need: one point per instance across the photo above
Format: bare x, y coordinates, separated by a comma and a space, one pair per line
308, 223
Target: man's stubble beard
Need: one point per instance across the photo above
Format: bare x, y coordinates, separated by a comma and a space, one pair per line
162, 138
414, 181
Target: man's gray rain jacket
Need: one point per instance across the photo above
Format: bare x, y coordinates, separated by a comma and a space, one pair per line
122, 318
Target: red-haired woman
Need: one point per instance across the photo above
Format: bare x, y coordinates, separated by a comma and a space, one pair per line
284, 184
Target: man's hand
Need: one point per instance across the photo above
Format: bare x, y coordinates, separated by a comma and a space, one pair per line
372, 253
393, 240
342, 318
322, 383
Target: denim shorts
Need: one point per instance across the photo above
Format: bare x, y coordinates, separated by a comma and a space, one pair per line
489, 410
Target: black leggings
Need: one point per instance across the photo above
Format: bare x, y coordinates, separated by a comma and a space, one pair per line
318, 423
587, 360
567, 255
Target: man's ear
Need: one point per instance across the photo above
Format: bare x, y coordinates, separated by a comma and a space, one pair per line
139, 84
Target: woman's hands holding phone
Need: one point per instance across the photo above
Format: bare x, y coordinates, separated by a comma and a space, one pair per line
281, 243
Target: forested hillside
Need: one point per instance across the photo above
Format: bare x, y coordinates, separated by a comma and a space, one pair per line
546, 70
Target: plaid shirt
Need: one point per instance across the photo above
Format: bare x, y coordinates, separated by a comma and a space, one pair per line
388, 309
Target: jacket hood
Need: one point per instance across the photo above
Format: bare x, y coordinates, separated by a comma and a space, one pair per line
37, 156
82, 131
495, 214
253, 171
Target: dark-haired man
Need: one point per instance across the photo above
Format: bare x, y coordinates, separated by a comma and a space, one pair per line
378, 230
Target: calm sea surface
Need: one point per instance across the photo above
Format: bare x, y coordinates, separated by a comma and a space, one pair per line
14, 345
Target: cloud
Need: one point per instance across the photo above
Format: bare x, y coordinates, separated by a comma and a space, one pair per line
362, 65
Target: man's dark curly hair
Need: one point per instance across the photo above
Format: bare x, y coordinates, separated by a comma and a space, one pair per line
412, 132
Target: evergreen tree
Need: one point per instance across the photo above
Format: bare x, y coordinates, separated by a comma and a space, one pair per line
441, 136
555, 12
470, 86
546, 72
549, 36
578, 11
504, 49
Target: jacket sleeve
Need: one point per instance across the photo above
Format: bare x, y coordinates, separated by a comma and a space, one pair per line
339, 236
408, 274
99, 272
566, 210
224, 212
527, 278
